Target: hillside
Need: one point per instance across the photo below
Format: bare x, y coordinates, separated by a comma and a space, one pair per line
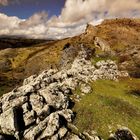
112, 100
17, 42
18, 61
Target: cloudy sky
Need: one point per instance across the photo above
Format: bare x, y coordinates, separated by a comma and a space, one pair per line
59, 18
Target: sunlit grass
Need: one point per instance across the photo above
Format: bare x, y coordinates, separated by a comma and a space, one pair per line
108, 106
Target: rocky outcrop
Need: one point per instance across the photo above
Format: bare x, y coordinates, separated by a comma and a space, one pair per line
102, 44
123, 133
41, 107
70, 52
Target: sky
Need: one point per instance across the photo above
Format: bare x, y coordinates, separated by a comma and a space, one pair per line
26, 8
60, 18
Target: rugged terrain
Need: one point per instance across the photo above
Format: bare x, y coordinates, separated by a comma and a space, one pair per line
111, 101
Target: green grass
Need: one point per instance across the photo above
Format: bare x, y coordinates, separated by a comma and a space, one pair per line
109, 105
95, 59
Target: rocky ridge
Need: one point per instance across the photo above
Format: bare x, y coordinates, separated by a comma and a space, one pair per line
42, 108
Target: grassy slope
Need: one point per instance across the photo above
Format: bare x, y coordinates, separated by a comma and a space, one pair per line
109, 105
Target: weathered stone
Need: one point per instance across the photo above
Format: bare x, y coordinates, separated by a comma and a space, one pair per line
74, 137
26, 107
123, 133
44, 112
24, 90
32, 132
13, 103
52, 126
67, 114
8, 122
29, 118
39, 108
29, 79
36, 102
85, 88
62, 132
55, 98
102, 44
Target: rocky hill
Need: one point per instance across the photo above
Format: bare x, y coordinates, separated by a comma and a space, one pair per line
121, 35
42, 107
90, 88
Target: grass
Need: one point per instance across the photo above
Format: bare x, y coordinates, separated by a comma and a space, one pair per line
96, 59
108, 106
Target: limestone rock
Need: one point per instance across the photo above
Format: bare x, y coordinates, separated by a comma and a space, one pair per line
44, 112
29, 118
85, 88
55, 98
123, 133
74, 137
36, 102
29, 79
7, 104
8, 122
52, 126
102, 44
33, 131
26, 107
62, 132
67, 114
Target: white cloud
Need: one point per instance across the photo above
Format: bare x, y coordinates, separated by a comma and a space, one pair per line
8, 22
36, 19
72, 20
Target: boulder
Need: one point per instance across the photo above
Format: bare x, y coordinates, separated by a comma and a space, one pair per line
37, 102
85, 88
55, 98
67, 114
52, 126
123, 133
8, 122
33, 131
11, 122
29, 79
102, 44
26, 107
62, 132
73, 137
44, 112
29, 118
13, 103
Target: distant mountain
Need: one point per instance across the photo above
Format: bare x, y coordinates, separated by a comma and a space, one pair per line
17, 42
